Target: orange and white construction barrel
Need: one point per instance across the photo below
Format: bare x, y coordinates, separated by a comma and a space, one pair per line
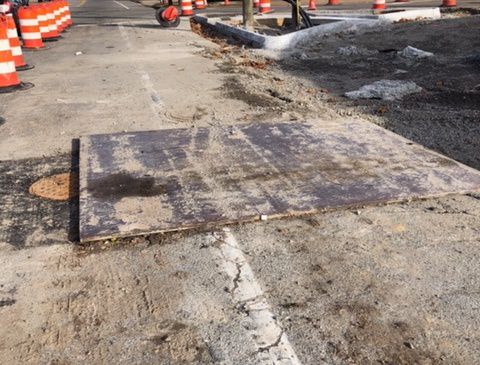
69, 15
265, 6
15, 46
199, 4
52, 24
29, 28
379, 5
186, 7
9, 80
42, 21
449, 3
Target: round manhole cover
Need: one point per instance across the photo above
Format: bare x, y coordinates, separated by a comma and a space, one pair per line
56, 187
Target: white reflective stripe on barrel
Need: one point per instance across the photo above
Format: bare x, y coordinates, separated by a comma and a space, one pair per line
4, 44
28, 22
11, 33
16, 51
31, 36
44, 29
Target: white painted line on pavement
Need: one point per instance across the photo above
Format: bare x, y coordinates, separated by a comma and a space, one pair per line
272, 343
155, 102
122, 5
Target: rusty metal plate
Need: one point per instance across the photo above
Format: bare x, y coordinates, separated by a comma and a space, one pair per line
166, 180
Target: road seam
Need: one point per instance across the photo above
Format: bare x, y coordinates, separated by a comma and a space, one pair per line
155, 102
273, 346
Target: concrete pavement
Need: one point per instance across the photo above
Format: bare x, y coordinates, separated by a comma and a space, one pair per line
391, 285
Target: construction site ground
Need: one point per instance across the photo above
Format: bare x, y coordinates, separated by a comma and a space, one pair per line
391, 284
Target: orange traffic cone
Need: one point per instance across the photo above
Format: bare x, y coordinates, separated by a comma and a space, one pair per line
312, 5
226, 2
186, 7
333, 2
29, 28
9, 80
15, 47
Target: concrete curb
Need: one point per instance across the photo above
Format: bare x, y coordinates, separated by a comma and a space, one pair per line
343, 23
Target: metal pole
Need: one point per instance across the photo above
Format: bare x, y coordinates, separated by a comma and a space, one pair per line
296, 14
248, 14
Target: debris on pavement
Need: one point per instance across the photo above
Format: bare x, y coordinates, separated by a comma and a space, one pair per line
413, 53
355, 51
385, 90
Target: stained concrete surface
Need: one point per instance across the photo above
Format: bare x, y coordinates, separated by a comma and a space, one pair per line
394, 284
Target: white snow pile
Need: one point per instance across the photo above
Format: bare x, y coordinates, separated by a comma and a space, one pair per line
355, 51
385, 90
412, 53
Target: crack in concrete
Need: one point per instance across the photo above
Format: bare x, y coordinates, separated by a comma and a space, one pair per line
272, 345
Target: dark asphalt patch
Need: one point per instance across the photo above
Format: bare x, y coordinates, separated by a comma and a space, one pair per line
31, 221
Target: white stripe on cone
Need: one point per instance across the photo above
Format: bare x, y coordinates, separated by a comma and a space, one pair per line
7, 67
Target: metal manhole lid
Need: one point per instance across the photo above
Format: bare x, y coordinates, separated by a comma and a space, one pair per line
56, 187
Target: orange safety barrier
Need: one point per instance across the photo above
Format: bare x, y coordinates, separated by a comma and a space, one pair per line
29, 28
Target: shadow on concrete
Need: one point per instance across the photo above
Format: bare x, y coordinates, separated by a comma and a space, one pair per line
74, 202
